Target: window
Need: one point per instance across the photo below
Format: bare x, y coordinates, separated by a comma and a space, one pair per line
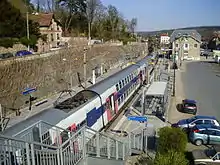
207, 122
199, 122
195, 45
123, 83
58, 36
176, 45
186, 46
117, 87
218, 133
120, 85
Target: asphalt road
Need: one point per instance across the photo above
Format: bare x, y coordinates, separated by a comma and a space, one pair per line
202, 82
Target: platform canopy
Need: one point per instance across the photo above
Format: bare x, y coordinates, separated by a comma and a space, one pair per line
157, 89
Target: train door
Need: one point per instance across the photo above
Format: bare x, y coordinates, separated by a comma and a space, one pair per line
110, 107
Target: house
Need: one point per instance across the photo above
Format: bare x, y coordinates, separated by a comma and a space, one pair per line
164, 39
50, 28
186, 44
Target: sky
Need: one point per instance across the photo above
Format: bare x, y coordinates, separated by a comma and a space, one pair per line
155, 15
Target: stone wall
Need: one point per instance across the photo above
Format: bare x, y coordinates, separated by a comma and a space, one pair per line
52, 74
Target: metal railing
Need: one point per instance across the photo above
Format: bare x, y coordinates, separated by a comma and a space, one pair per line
86, 142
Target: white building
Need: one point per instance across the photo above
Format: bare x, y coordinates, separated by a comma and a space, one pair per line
164, 39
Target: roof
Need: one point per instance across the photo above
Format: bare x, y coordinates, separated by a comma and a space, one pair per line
44, 19
205, 126
205, 117
190, 33
157, 89
190, 101
51, 115
102, 86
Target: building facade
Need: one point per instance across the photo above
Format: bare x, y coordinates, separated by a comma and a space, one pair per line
186, 44
50, 28
164, 39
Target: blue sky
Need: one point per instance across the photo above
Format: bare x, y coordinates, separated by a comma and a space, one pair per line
165, 14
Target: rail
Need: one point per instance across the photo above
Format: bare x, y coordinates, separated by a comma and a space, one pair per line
86, 142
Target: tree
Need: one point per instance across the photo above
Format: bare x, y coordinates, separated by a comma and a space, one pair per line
13, 25
113, 19
171, 139
92, 8
133, 25
171, 158
72, 9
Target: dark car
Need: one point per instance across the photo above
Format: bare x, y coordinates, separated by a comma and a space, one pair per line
23, 53
189, 106
208, 156
6, 55
186, 124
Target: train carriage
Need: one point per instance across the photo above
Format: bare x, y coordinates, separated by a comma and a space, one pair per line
95, 109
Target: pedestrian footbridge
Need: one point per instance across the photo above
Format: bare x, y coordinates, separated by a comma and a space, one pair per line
34, 146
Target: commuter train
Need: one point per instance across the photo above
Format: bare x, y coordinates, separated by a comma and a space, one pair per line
95, 110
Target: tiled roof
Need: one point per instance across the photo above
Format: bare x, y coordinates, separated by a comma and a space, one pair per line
44, 19
191, 33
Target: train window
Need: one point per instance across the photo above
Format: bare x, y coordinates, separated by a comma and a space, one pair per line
117, 88
119, 100
126, 80
120, 85
123, 83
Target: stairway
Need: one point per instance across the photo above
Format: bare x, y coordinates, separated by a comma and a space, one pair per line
86, 146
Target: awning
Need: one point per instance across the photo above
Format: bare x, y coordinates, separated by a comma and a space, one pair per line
157, 89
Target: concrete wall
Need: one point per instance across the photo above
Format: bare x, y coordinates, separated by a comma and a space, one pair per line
51, 74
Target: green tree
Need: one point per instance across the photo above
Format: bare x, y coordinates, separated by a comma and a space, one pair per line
13, 25
171, 158
171, 139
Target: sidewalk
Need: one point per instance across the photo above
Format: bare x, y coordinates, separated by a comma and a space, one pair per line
173, 114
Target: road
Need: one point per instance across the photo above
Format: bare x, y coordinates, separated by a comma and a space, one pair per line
201, 82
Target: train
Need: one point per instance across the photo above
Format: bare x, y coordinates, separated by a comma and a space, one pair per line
94, 107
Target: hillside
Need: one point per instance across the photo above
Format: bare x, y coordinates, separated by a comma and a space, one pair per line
205, 31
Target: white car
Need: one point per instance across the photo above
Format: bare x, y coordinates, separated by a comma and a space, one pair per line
209, 156
188, 58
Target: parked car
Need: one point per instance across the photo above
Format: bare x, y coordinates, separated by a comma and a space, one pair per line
186, 124
208, 156
23, 53
205, 134
189, 106
6, 55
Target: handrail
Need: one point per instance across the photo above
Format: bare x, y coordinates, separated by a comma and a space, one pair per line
25, 141
38, 122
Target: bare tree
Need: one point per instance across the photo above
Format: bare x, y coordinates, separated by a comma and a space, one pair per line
133, 25
113, 18
91, 10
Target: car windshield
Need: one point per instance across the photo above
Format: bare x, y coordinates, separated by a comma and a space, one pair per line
210, 152
189, 105
191, 119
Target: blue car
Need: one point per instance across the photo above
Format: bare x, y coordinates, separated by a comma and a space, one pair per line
187, 124
23, 53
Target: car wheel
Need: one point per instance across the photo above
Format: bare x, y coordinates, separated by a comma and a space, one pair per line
198, 142
185, 129
194, 113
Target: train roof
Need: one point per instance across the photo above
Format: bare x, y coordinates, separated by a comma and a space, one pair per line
51, 115
102, 86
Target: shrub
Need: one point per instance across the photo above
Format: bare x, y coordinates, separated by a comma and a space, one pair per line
171, 139
171, 158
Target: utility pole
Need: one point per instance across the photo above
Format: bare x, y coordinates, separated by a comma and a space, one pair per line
174, 75
142, 114
28, 35
84, 65
1, 113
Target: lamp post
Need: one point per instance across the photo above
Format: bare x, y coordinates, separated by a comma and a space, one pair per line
174, 74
